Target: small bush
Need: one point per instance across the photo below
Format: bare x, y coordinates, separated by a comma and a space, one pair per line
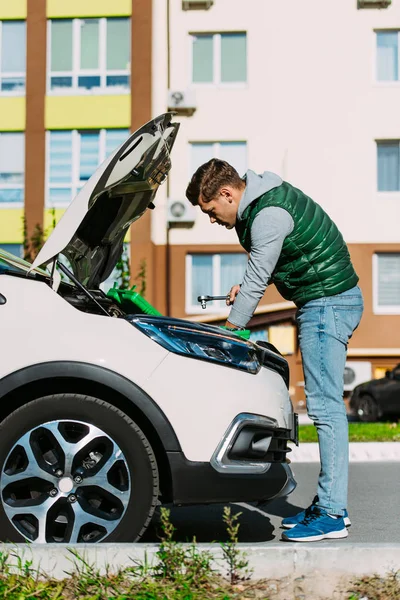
376, 588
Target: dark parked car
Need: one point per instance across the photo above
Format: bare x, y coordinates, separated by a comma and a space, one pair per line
377, 398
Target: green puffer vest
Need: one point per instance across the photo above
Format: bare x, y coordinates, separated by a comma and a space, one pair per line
314, 260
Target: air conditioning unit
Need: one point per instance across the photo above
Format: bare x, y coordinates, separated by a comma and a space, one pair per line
197, 4
180, 212
356, 372
183, 102
374, 3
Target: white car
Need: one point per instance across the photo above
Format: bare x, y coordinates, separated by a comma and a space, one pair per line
105, 414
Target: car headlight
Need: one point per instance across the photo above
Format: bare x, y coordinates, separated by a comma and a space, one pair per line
203, 342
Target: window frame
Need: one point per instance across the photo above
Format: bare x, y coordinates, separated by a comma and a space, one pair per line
216, 62
382, 142
191, 309
12, 73
393, 309
77, 72
216, 148
13, 186
383, 82
76, 182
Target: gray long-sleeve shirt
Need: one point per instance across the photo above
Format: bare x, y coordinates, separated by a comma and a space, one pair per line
268, 232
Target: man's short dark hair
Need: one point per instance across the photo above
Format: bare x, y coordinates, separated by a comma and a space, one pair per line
209, 178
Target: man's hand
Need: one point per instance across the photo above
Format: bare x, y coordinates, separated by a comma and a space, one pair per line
232, 294
230, 325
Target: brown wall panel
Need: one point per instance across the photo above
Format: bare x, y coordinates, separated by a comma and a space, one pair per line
375, 331
142, 250
160, 279
141, 90
35, 152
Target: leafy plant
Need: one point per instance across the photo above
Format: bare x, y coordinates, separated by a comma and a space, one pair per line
141, 277
123, 270
377, 588
32, 244
178, 563
238, 564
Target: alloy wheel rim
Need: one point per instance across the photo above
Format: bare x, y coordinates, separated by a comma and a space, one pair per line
65, 481
364, 407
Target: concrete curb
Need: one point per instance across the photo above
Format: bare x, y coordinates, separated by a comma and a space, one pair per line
318, 567
358, 452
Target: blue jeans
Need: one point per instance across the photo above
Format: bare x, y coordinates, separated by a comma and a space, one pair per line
325, 327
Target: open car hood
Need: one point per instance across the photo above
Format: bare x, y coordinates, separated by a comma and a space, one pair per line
91, 232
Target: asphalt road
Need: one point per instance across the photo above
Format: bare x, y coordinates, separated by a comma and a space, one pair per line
374, 499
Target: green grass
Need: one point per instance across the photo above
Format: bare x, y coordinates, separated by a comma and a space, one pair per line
359, 432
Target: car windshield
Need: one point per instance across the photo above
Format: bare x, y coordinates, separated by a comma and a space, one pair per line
12, 265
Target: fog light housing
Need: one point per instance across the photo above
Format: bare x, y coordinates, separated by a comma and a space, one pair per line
244, 447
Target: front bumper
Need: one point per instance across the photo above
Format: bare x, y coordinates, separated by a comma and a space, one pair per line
240, 477
199, 483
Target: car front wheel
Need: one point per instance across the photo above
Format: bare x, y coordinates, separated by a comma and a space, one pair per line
74, 469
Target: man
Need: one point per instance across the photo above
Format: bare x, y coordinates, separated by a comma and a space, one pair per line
294, 244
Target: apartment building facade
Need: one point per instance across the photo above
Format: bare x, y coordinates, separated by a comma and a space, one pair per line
308, 90
66, 101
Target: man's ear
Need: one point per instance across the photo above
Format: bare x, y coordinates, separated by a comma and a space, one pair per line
226, 192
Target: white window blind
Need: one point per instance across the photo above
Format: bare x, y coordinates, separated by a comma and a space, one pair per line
388, 166
73, 157
387, 55
12, 167
387, 283
214, 275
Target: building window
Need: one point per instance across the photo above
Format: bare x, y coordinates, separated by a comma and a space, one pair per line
12, 56
386, 283
387, 55
213, 275
389, 166
219, 58
16, 249
73, 156
12, 159
234, 153
89, 55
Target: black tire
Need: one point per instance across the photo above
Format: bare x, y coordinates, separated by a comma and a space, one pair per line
136, 465
367, 409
